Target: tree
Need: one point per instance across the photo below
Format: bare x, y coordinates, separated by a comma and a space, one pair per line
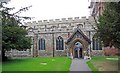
109, 25
13, 35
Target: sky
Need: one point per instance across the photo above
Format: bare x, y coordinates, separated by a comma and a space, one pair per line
52, 9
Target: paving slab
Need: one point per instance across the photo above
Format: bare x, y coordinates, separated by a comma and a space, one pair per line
80, 66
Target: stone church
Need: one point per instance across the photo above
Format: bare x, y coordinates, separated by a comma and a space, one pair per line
72, 37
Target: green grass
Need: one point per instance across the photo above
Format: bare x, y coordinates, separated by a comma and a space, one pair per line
99, 59
91, 66
0, 67
34, 64
103, 58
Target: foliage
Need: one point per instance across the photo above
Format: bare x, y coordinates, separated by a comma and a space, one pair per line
109, 25
13, 35
14, 16
110, 51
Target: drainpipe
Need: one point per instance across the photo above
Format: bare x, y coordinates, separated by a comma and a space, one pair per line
53, 41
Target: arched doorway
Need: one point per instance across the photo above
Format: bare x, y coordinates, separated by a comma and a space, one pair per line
78, 50
78, 37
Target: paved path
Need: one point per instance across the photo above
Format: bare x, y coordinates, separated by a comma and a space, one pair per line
79, 65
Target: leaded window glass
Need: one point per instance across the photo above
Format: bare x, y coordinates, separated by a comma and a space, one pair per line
59, 43
41, 44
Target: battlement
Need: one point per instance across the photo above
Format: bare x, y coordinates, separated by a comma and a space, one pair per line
70, 19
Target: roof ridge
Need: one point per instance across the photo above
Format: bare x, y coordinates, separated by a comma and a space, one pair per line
80, 31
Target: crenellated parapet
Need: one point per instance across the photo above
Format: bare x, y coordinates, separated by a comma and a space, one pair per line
62, 20
63, 24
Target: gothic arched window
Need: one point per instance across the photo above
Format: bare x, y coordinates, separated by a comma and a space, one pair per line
97, 45
59, 43
41, 44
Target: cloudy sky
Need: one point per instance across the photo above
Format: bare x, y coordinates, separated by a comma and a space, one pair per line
53, 9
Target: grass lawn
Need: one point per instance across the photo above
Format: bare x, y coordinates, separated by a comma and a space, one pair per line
38, 64
0, 67
103, 63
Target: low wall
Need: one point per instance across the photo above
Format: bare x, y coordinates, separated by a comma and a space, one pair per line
50, 54
97, 53
110, 51
16, 53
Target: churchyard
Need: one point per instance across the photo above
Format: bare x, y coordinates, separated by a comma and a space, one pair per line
38, 64
96, 64
104, 63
